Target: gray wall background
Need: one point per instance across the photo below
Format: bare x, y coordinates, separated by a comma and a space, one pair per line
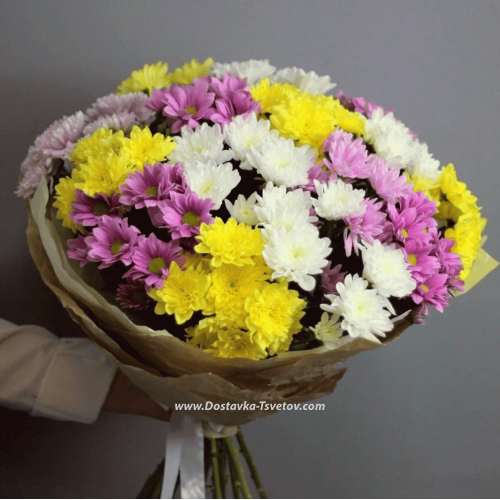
419, 418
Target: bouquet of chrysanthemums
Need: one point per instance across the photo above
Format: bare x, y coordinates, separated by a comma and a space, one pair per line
230, 233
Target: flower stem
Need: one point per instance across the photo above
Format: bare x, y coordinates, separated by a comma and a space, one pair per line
235, 482
215, 468
222, 466
251, 465
234, 456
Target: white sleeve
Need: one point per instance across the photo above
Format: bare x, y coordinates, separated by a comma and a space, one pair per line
64, 379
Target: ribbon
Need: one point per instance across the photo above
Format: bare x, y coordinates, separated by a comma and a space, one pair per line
184, 454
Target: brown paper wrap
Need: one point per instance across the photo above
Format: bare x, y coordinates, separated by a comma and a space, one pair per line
170, 370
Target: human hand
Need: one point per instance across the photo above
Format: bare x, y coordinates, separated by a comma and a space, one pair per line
125, 397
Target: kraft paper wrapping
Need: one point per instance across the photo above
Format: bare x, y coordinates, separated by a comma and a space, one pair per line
170, 370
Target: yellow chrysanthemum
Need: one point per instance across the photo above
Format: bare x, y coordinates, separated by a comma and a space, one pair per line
104, 173
274, 315
183, 292
455, 191
351, 122
273, 95
151, 76
233, 342
230, 287
195, 259
204, 334
430, 188
102, 141
64, 197
230, 242
144, 147
190, 71
307, 119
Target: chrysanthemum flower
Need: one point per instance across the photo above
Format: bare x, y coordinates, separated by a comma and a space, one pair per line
307, 82
233, 103
271, 95
184, 105
190, 71
233, 342
422, 164
450, 262
274, 315
243, 209
320, 173
183, 213
328, 329
227, 82
151, 260
363, 310
195, 145
124, 121
243, 133
330, 277
338, 199
296, 255
133, 295
347, 157
456, 192
281, 162
253, 70
348, 121
112, 104
78, 250
101, 142
183, 293
230, 287
358, 104
205, 333
113, 240
386, 269
144, 147
433, 291
421, 261
64, 198
209, 180
230, 242
151, 76
389, 184
88, 210
153, 185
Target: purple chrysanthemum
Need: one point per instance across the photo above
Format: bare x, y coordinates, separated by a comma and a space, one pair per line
120, 121
152, 258
184, 105
153, 185
330, 278
88, 210
389, 184
358, 104
133, 295
433, 291
234, 103
78, 250
183, 214
422, 263
226, 83
347, 157
320, 173
113, 104
365, 227
112, 241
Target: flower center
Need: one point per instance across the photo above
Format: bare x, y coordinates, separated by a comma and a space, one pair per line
101, 208
425, 288
404, 232
116, 246
412, 259
191, 219
156, 265
191, 110
152, 191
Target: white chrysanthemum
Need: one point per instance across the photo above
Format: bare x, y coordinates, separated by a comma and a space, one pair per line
296, 255
278, 207
196, 144
253, 70
243, 210
307, 82
391, 139
244, 133
385, 268
422, 164
209, 180
363, 310
328, 329
281, 162
338, 199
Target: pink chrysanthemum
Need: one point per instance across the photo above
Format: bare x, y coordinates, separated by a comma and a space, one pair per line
113, 104
226, 83
78, 250
319, 173
184, 105
121, 121
133, 295
389, 184
347, 157
183, 214
234, 103
88, 210
153, 185
433, 291
330, 278
358, 104
365, 227
422, 263
112, 241
152, 258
